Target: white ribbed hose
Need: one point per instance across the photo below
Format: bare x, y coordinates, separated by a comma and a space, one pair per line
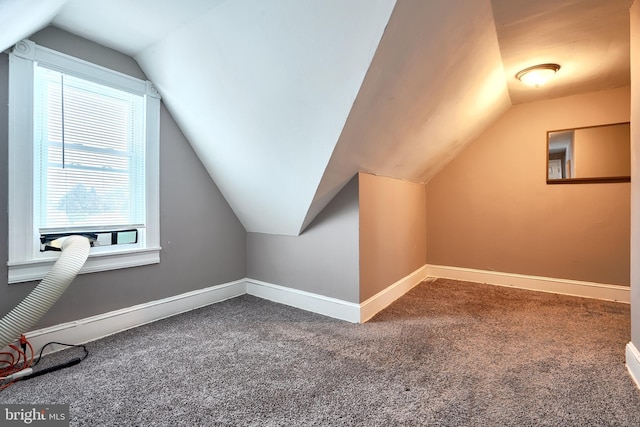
75, 250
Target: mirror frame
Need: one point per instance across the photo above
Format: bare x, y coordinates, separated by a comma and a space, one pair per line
594, 180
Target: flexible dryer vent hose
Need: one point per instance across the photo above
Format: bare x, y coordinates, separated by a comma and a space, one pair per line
75, 250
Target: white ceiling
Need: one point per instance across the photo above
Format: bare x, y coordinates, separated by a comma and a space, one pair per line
129, 26
420, 104
263, 92
284, 100
588, 38
19, 19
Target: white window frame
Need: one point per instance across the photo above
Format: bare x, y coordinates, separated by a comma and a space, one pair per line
26, 262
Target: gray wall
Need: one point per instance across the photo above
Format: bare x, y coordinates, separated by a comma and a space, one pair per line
203, 242
393, 241
322, 260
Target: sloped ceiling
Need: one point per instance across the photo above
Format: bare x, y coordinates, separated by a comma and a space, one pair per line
284, 100
588, 38
435, 83
20, 19
262, 91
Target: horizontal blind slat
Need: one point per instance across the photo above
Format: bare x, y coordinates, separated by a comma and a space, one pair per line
90, 153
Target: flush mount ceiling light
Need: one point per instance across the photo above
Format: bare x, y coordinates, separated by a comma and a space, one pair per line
537, 75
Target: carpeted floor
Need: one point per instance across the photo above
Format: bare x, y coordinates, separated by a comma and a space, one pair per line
446, 354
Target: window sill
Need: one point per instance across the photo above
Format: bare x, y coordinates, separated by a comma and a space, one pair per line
102, 261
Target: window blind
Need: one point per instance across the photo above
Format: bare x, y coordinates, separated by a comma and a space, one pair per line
89, 154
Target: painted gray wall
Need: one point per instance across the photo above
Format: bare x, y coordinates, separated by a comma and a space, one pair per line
393, 231
323, 260
203, 242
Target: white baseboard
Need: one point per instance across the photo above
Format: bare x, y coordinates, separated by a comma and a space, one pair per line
633, 362
96, 327
308, 301
332, 307
536, 283
384, 298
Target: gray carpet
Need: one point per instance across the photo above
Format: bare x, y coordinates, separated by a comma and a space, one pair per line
446, 354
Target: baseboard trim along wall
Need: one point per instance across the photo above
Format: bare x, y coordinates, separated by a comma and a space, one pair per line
535, 283
96, 327
332, 307
308, 301
102, 325
384, 298
633, 362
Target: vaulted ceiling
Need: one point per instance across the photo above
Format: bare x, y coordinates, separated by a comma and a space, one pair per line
285, 100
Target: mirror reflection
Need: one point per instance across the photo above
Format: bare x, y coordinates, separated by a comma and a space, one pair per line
589, 154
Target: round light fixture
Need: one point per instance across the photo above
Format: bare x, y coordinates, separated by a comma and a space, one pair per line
537, 75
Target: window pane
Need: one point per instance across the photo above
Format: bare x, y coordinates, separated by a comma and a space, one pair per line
89, 153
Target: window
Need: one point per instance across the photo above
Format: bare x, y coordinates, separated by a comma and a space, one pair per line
83, 158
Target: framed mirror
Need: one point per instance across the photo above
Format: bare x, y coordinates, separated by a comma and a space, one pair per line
589, 154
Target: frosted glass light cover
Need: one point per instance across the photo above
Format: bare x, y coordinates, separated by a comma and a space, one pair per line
538, 75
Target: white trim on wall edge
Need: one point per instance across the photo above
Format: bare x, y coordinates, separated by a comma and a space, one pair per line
384, 298
633, 362
327, 306
96, 327
102, 325
336, 308
536, 283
